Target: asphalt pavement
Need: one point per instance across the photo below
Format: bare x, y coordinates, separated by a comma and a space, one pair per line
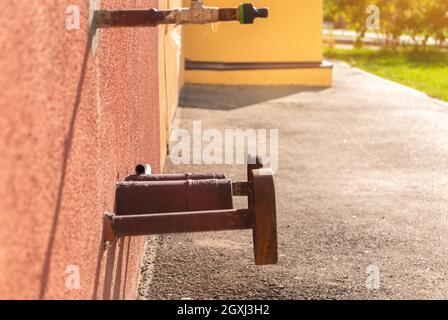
362, 196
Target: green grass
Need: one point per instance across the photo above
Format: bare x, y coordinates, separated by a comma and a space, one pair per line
425, 70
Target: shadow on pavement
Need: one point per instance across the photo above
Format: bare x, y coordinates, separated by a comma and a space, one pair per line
218, 97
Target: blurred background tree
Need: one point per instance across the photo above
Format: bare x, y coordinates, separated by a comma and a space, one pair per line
437, 20
420, 19
349, 14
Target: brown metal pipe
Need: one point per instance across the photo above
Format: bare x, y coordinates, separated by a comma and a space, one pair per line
126, 18
174, 177
185, 206
197, 13
228, 14
241, 189
183, 222
153, 17
135, 198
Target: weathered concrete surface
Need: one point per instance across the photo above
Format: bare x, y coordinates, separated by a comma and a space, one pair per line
363, 181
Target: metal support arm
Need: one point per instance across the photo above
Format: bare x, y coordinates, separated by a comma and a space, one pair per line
163, 204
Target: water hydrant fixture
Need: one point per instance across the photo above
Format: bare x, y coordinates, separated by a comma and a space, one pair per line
148, 204
197, 14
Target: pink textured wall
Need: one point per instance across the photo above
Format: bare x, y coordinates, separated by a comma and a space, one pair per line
71, 125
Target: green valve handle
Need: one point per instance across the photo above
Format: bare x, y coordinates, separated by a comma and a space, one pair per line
248, 13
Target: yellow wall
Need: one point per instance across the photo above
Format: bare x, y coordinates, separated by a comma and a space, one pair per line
292, 33
171, 66
295, 25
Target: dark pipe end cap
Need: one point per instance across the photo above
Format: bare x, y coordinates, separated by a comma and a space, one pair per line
250, 13
263, 12
142, 169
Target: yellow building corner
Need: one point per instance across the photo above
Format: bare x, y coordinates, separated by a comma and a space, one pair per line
285, 49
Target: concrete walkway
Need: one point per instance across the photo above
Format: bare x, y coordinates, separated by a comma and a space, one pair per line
362, 186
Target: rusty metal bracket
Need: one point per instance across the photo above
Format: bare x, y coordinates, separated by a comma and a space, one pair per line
185, 203
197, 13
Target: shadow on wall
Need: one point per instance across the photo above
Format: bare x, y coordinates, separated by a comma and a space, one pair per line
65, 156
108, 291
110, 259
218, 97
